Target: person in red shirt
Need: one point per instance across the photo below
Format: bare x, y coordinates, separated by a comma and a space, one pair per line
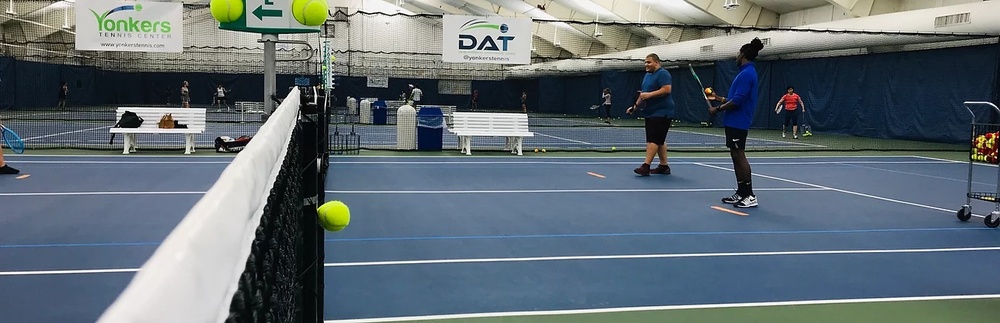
792, 102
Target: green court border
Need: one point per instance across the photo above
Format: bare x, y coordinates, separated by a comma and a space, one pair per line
972, 310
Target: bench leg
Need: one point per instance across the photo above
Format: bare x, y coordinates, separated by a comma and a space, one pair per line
468, 145
188, 143
129, 143
520, 140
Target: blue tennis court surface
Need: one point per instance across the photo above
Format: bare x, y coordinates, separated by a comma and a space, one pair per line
463, 235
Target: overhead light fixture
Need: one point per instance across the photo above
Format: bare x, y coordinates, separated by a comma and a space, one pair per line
597, 26
731, 4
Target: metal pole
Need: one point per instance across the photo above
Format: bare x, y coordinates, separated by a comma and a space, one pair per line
270, 56
312, 233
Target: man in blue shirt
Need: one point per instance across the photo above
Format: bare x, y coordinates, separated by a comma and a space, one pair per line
739, 110
657, 107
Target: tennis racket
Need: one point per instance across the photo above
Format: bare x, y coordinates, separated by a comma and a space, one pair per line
12, 139
641, 105
594, 107
700, 86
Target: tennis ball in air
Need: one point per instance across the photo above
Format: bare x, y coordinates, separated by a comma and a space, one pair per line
309, 12
334, 216
226, 10
708, 90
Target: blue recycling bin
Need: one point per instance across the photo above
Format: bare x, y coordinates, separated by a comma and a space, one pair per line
430, 129
379, 112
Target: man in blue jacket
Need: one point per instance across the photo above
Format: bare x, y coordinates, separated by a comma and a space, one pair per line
739, 109
657, 108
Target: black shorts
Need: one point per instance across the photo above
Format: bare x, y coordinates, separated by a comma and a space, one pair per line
736, 138
656, 129
791, 117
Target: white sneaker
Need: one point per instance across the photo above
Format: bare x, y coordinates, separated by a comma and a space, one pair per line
782, 135
732, 199
749, 201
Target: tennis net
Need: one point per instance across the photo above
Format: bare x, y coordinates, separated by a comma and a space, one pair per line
250, 250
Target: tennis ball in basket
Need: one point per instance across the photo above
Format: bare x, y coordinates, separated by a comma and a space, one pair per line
226, 10
334, 216
309, 12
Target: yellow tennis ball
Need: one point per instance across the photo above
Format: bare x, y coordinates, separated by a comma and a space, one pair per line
536, 150
334, 215
543, 150
613, 148
309, 12
225, 11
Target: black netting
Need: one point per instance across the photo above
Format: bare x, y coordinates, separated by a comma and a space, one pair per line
270, 289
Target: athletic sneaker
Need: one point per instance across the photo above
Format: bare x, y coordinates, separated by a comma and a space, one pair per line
662, 169
749, 201
732, 199
642, 170
7, 170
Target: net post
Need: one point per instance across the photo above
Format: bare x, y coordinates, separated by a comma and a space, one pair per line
311, 249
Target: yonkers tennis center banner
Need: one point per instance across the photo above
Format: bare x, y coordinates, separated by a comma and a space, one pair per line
131, 26
490, 40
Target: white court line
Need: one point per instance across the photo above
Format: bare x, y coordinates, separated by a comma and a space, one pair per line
68, 272
917, 174
659, 256
66, 133
79, 162
682, 190
561, 138
597, 157
843, 191
561, 258
790, 143
119, 155
665, 308
804, 163
98, 193
957, 161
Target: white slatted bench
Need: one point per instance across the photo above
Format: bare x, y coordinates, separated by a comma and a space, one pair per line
194, 118
512, 126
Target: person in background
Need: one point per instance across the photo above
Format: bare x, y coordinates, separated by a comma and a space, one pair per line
416, 95
220, 96
792, 101
63, 94
185, 95
524, 102
606, 96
